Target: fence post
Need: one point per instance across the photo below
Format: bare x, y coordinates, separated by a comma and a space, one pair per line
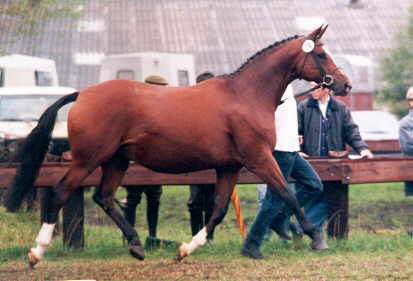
73, 221
338, 205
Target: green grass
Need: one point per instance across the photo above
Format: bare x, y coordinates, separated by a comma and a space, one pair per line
373, 207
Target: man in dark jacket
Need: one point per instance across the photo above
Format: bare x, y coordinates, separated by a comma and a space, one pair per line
325, 126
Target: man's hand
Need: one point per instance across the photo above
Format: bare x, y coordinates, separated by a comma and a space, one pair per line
366, 153
300, 139
302, 154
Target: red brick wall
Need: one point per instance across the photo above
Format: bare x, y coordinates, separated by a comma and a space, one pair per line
358, 101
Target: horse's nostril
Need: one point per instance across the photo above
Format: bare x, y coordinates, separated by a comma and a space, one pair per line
347, 86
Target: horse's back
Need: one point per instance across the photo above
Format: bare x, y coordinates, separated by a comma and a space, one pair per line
157, 126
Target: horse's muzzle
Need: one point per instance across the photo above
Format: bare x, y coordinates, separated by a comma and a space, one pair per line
347, 88
342, 91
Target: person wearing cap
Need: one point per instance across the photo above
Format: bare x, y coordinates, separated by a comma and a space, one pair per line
325, 127
406, 136
201, 196
152, 192
156, 80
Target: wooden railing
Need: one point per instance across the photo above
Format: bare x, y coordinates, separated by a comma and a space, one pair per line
386, 168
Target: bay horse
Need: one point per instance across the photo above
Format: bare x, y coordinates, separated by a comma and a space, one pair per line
224, 123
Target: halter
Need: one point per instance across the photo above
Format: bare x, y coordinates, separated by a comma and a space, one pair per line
328, 79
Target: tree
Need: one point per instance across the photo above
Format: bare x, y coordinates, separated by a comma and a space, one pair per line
21, 18
397, 71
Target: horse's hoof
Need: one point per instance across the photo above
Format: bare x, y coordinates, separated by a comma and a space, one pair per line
319, 243
137, 252
182, 251
33, 260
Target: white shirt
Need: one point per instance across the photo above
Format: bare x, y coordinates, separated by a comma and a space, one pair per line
286, 123
323, 106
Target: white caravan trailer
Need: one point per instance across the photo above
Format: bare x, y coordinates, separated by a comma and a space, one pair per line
177, 69
26, 71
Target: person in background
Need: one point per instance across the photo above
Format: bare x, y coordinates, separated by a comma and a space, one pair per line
153, 192
291, 164
406, 137
325, 126
201, 196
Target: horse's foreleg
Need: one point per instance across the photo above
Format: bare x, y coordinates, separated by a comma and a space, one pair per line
112, 174
226, 180
61, 193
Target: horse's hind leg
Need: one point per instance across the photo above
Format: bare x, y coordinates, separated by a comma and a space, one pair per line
60, 194
112, 174
226, 180
269, 171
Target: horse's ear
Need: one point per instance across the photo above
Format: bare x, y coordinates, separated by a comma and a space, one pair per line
318, 33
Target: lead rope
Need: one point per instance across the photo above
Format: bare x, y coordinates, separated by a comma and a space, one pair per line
309, 90
303, 93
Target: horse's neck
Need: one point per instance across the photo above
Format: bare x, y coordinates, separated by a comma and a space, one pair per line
265, 79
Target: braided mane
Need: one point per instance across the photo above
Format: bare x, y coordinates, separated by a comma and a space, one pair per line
259, 53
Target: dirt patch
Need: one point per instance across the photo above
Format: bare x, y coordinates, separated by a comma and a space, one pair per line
322, 267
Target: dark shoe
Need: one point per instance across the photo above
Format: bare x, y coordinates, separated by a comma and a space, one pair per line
251, 252
152, 243
318, 243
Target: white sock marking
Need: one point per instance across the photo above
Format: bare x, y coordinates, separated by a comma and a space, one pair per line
43, 239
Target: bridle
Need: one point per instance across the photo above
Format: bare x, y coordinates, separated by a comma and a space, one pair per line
328, 79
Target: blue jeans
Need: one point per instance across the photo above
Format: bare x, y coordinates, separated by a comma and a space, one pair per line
408, 188
291, 164
261, 190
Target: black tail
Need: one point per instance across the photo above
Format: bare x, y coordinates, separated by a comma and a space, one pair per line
32, 153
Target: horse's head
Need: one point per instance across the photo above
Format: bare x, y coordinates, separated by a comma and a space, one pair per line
314, 63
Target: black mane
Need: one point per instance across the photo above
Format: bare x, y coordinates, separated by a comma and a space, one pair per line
259, 53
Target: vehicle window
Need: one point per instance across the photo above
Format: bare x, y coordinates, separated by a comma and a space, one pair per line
28, 107
43, 78
183, 78
125, 74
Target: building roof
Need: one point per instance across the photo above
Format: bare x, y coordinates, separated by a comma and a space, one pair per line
220, 34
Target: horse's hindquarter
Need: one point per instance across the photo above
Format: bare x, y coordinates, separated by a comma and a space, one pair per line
98, 120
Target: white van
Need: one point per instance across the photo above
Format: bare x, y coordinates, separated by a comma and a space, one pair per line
20, 70
177, 69
376, 124
21, 108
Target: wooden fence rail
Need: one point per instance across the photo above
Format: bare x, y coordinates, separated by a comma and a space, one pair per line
388, 168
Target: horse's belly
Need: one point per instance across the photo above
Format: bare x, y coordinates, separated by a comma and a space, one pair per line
167, 162
176, 158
